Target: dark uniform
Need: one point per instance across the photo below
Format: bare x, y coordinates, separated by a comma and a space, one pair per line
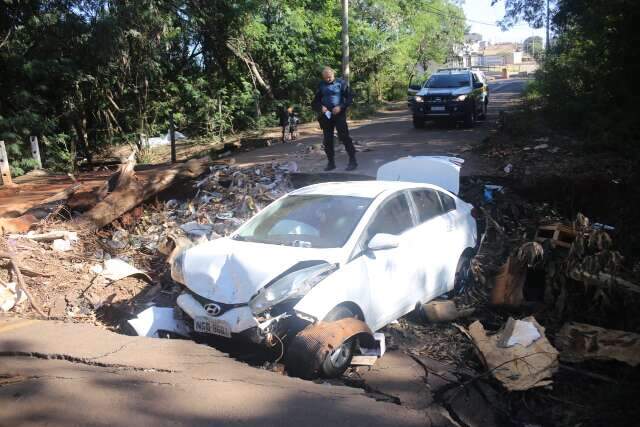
335, 94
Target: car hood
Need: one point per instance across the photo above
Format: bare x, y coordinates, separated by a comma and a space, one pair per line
445, 91
232, 271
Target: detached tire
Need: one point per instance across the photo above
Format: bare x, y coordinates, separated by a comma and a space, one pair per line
339, 359
418, 122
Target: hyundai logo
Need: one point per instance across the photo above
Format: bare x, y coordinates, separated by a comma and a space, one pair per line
212, 309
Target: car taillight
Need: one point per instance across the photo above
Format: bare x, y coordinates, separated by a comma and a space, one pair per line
475, 213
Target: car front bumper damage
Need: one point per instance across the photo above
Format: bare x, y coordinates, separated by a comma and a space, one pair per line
241, 322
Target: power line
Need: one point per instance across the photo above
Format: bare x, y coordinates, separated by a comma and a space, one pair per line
444, 14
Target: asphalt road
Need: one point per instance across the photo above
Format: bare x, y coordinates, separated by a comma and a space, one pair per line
54, 373
389, 135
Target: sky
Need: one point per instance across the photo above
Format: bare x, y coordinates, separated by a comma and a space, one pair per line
481, 10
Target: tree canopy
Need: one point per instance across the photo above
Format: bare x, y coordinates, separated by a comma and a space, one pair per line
82, 74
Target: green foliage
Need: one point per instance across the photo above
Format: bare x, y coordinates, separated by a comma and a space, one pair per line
84, 74
587, 82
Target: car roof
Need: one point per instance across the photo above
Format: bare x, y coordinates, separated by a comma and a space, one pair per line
369, 189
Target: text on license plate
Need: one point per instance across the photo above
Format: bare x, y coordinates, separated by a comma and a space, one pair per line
211, 326
437, 108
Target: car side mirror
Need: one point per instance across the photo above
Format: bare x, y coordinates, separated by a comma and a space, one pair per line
478, 85
383, 241
415, 87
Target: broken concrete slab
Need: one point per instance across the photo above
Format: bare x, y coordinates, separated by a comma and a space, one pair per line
397, 374
119, 380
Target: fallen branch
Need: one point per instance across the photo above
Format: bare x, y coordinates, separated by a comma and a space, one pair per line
14, 263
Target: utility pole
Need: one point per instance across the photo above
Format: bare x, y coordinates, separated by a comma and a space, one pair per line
345, 40
547, 46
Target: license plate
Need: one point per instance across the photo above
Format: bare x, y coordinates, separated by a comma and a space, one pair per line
437, 108
212, 326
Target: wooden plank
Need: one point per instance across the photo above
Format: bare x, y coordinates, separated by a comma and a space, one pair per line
5, 171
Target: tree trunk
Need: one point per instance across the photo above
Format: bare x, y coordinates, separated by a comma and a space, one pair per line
129, 193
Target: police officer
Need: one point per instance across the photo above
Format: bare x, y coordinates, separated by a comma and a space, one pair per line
332, 99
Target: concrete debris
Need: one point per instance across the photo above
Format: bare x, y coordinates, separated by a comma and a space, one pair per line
49, 236
517, 367
369, 356
579, 342
10, 296
61, 245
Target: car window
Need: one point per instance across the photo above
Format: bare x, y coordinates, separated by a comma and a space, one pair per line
315, 220
448, 202
393, 217
427, 203
447, 81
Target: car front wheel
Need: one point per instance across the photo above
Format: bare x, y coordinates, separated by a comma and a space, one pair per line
339, 359
470, 118
418, 122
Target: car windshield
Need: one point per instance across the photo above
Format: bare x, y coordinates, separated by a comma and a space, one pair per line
308, 221
441, 81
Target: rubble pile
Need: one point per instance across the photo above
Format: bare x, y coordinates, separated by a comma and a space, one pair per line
108, 275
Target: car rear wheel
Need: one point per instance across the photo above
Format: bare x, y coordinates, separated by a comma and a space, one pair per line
338, 360
463, 275
418, 122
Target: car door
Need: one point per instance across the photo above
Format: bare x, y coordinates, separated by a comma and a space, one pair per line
430, 241
392, 279
457, 232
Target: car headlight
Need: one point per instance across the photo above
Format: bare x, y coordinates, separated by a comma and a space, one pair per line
177, 267
419, 99
460, 98
295, 284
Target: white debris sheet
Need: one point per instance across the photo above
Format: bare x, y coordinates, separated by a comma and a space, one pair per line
155, 319
10, 296
116, 269
518, 332
517, 367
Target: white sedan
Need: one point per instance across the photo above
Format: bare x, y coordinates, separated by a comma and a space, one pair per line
373, 250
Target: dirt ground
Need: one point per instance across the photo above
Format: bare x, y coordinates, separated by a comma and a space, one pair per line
544, 178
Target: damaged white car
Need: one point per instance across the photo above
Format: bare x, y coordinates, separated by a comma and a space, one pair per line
370, 250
